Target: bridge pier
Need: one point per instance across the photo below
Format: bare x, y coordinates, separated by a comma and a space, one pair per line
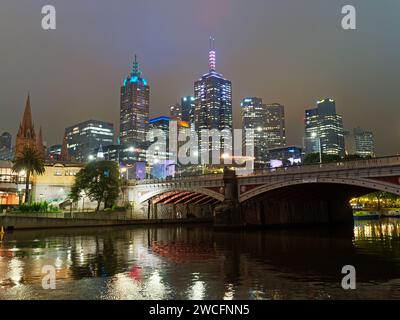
228, 214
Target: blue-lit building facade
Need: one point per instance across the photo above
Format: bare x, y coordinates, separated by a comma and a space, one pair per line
160, 160
134, 108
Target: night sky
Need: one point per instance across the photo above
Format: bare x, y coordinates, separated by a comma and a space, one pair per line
289, 51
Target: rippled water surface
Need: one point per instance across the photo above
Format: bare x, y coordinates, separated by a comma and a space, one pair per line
197, 262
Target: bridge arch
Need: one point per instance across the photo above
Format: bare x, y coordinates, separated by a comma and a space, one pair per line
362, 183
174, 191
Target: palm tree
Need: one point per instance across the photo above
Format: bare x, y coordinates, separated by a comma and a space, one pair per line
30, 162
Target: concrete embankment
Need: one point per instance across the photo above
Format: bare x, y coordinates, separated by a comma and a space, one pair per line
21, 222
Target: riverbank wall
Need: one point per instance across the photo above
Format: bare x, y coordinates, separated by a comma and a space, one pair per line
36, 222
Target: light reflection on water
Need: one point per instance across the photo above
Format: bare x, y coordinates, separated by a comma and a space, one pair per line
194, 262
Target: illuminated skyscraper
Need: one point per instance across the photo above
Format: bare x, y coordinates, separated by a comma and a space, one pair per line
83, 138
213, 98
134, 111
275, 125
175, 111
360, 142
188, 106
265, 127
5, 146
324, 129
254, 125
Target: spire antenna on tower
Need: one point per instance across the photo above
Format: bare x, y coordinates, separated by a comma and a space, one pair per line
212, 55
135, 68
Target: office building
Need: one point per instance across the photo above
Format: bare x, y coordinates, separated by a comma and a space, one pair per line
134, 108
6, 152
254, 126
275, 125
324, 129
54, 152
188, 106
360, 142
83, 138
213, 103
175, 111
263, 128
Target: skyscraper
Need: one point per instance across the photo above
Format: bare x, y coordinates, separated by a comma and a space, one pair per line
275, 125
83, 138
5, 140
161, 165
254, 125
265, 126
175, 111
364, 142
134, 109
188, 106
54, 152
324, 129
213, 100
5, 146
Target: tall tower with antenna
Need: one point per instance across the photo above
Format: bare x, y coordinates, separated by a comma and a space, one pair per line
134, 108
213, 99
212, 55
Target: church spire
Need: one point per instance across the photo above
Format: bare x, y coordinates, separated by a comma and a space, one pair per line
27, 123
26, 136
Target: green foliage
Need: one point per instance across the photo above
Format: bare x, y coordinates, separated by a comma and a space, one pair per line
100, 181
120, 208
315, 158
326, 158
30, 162
39, 207
381, 196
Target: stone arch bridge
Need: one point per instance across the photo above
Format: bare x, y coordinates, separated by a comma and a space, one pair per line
305, 194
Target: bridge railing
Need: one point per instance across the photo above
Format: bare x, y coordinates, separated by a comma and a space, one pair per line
305, 168
197, 177
340, 165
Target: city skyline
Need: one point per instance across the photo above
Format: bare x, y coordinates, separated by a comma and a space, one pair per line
358, 88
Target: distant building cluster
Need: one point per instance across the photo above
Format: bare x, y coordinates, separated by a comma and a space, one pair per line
208, 107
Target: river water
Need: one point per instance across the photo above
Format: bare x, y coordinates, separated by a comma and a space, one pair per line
197, 262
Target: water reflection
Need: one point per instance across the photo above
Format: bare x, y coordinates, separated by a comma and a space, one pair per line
200, 263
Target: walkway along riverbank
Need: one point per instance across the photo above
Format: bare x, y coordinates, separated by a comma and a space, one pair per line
22, 222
